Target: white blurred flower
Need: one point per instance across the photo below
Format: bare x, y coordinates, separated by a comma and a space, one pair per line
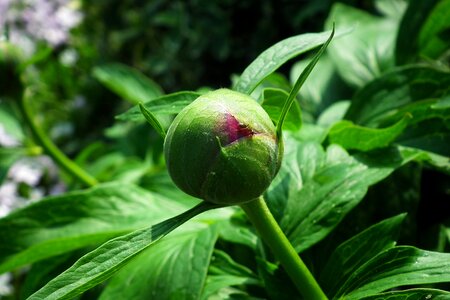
6, 287
26, 171
8, 198
44, 20
7, 140
69, 57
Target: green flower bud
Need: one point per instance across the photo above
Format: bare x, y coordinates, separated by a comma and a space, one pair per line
222, 148
10, 59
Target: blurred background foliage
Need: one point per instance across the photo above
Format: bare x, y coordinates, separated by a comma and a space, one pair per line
181, 45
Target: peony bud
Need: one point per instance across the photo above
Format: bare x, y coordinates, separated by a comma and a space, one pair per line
222, 148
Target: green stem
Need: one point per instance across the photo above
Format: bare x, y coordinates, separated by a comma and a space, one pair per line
60, 158
271, 233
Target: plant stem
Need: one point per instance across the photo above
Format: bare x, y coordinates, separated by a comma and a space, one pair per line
60, 158
271, 233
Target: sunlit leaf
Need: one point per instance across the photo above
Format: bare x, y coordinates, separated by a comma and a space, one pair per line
273, 102
60, 224
335, 182
127, 82
152, 120
272, 58
103, 262
175, 267
365, 53
299, 83
167, 104
351, 136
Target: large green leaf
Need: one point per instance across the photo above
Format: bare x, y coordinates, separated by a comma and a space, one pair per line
322, 87
225, 272
416, 15
356, 251
299, 83
127, 82
175, 267
333, 183
396, 267
413, 294
365, 53
434, 37
275, 56
351, 136
392, 91
216, 284
273, 102
167, 104
59, 224
103, 262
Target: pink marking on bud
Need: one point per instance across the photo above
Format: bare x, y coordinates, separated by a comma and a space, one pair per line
236, 130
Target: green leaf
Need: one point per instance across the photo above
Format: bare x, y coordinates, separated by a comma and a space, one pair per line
60, 224
396, 267
334, 183
390, 92
333, 113
356, 251
298, 84
223, 264
216, 283
434, 37
103, 262
127, 82
321, 89
175, 267
273, 103
238, 231
225, 272
431, 135
152, 120
407, 45
167, 104
351, 136
275, 56
412, 294
365, 53
391, 8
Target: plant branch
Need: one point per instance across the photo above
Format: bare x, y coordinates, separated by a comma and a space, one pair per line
51, 149
271, 233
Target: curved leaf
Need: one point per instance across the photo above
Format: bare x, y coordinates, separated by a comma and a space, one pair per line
351, 136
167, 104
60, 224
413, 294
272, 58
127, 82
396, 267
175, 267
103, 262
354, 252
